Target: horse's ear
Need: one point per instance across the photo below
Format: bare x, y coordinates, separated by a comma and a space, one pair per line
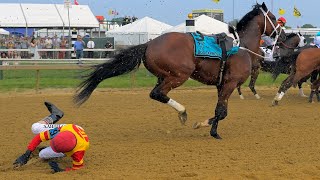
264, 7
299, 33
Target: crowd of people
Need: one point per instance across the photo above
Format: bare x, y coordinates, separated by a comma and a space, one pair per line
28, 47
16, 45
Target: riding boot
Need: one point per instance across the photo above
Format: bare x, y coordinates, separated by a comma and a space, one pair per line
56, 114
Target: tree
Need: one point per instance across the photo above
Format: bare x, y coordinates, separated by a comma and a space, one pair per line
308, 26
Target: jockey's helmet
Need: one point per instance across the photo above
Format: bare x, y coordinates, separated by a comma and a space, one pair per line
282, 21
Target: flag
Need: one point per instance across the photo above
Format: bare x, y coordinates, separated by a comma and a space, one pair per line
281, 11
296, 12
216, 1
110, 12
76, 2
113, 12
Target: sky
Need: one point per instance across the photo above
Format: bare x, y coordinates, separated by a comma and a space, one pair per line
174, 12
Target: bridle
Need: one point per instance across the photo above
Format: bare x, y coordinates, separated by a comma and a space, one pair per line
289, 47
266, 17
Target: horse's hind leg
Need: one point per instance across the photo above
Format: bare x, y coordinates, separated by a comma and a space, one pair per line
160, 91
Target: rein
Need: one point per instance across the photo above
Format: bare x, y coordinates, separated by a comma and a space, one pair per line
286, 46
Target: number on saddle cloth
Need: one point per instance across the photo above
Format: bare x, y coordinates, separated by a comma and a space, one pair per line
209, 46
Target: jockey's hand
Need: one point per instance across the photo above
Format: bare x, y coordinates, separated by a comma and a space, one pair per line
22, 160
55, 167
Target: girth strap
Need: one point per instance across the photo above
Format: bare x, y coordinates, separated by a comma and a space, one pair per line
221, 39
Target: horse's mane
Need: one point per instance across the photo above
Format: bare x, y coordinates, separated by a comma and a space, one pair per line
249, 16
291, 35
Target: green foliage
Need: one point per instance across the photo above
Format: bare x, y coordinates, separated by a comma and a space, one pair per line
308, 26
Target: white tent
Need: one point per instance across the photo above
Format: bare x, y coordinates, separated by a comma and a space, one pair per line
204, 24
46, 16
138, 32
4, 32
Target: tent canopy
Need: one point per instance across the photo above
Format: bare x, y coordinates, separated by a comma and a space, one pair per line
144, 25
46, 16
138, 32
204, 24
4, 32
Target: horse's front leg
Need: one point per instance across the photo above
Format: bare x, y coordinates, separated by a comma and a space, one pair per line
254, 77
286, 84
221, 111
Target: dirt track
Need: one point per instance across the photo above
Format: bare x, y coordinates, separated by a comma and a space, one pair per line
134, 137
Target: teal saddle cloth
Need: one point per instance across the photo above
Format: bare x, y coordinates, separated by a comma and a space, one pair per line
207, 47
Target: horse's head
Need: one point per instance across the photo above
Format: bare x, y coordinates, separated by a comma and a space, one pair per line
303, 40
269, 22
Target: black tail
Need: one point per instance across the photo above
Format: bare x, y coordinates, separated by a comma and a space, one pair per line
283, 65
125, 61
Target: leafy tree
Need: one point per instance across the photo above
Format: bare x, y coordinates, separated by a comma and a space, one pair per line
308, 26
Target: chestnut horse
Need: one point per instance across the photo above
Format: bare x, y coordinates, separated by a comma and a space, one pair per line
286, 49
307, 61
170, 57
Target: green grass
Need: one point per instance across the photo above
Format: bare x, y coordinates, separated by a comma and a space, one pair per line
26, 79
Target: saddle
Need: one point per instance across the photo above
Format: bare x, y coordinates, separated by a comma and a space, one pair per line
217, 46
213, 46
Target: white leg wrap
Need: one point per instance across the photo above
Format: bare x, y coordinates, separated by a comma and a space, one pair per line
257, 96
48, 153
279, 96
301, 93
241, 96
37, 128
176, 105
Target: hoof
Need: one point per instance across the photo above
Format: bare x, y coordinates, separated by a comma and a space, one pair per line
216, 136
257, 96
275, 103
241, 96
196, 125
183, 117
303, 95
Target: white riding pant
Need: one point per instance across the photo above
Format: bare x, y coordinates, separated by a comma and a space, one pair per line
47, 152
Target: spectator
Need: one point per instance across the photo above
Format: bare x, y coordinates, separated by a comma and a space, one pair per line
24, 46
49, 46
78, 47
10, 45
34, 49
3, 55
108, 45
56, 45
90, 45
18, 46
63, 45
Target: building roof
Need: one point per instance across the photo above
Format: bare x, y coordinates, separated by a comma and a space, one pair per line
46, 16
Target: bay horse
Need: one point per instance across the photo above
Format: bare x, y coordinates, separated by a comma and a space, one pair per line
170, 57
306, 62
286, 48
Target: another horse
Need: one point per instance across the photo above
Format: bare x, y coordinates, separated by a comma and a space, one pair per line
306, 61
286, 48
170, 57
